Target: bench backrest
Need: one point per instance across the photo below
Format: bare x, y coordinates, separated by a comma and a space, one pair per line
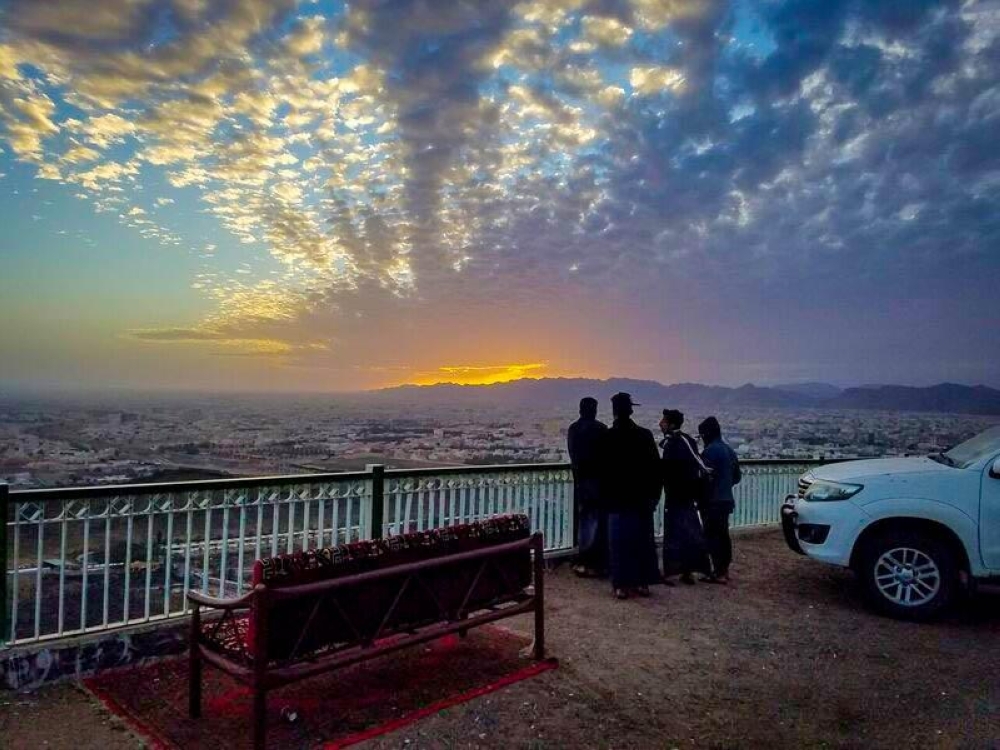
398, 599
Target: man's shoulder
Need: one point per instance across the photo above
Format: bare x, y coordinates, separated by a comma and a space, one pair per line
588, 424
629, 429
677, 439
645, 432
720, 451
681, 447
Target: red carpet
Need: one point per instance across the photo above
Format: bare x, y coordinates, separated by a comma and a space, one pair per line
333, 710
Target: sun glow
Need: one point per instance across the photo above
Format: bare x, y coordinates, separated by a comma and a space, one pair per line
480, 374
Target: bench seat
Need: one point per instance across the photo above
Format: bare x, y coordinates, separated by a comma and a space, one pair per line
316, 610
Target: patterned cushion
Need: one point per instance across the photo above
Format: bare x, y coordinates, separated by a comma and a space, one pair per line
358, 557
358, 611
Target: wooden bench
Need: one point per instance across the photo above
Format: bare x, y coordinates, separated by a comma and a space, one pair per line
311, 612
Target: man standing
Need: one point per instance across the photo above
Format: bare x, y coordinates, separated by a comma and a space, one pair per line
683, 475
632, 487
585, 439
719, 504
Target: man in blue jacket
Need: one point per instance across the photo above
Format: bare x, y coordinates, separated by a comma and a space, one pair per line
719, 505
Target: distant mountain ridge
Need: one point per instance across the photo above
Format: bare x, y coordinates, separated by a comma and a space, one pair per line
812, 390
946, 397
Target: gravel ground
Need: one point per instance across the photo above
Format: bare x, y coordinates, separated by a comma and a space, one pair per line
60, 716
785, 656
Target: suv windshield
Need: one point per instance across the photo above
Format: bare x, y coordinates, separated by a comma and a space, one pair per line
963, 455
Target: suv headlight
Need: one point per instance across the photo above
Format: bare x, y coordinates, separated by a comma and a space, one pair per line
822, 490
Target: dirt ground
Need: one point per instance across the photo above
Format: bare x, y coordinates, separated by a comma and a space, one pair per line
785, 656
60, 716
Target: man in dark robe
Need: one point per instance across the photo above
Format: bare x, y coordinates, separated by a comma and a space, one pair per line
684, 479
585, 439
719, 504
632, 487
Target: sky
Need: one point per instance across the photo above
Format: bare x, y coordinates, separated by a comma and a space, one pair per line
324, 196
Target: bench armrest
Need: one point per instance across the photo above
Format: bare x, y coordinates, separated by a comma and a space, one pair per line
212, 602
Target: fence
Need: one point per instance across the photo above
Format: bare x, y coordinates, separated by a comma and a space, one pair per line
81, 560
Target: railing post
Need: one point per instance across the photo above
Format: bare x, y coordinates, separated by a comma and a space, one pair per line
4, 607
377, 516
574, 515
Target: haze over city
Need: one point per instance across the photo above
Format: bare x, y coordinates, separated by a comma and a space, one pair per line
282, 196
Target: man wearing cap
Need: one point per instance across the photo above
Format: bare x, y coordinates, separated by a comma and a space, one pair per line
632, 487
585, 440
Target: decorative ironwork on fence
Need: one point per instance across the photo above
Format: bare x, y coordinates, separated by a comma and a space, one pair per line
81, 560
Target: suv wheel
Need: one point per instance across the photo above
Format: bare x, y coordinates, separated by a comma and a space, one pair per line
910, 575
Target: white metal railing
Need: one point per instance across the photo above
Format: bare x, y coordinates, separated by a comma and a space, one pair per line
759, 494
81, 560
418, 501
95, 559
764, 486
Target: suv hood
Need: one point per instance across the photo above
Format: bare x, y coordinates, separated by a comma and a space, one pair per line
860, 470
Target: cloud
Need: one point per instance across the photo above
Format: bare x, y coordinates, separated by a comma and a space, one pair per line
115, 50
648, 81
27, 115
102, 131
77, 154
177, 334
308, 37
8, 63
605, 31
108, 21
221, 343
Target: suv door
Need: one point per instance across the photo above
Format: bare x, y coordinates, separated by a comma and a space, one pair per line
989, 515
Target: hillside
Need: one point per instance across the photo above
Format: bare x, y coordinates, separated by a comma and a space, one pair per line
946, 397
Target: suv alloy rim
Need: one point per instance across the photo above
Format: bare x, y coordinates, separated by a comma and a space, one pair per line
907, 576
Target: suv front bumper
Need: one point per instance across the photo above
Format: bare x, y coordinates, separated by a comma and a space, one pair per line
824, 531
789, 517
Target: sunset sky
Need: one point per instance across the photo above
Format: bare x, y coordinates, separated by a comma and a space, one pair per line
279, 195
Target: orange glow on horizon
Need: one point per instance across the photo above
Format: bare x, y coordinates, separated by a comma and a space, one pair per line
480, 374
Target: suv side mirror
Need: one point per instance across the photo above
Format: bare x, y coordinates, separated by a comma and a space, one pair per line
995, 468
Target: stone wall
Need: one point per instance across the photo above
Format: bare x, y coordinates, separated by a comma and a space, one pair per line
28, 668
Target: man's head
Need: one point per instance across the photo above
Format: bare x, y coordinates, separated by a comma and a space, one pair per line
709, 430
588, 407
672, 420
621, 405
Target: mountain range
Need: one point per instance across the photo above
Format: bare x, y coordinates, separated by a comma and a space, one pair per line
532, 392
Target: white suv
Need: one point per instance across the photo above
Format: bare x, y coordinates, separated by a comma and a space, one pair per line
913, 529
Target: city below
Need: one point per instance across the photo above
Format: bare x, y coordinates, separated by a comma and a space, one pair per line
126, 438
